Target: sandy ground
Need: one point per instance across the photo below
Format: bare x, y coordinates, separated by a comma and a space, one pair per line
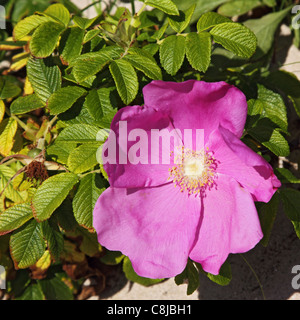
272, 265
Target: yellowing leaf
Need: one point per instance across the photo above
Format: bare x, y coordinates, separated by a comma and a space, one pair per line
27, 87
27, 25
2, 110
10, 44
7, 137
6, 174
45, 261
19, 64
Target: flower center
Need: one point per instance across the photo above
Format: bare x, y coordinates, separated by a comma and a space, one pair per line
195, 171
193, 167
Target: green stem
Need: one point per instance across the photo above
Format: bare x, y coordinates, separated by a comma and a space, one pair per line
255, 275
132, 7
20, 122
110, 6
85, 174
282, 4
141, 10
90, 5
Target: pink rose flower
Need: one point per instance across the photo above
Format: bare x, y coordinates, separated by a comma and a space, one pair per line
201, 208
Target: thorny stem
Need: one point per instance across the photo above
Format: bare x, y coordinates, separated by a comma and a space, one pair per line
255, 275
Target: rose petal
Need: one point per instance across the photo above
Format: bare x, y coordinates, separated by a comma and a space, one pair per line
230, 224
154, 227
240, 162
199, 105
142, 164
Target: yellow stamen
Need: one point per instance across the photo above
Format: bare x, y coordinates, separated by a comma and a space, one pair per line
194, 172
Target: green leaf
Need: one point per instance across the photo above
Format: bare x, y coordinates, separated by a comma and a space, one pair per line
270, 3
160, 32
65, 217
83, 158
59, 151
271, 138
63, 99
89, 244
79, 114
84, 23
267, 214
32, 292
291, 205
264, 29
70, 44
238, 7
26, 104
45, 38
8, 88
21, 281
131, 275
288, 83
286, 176
6, 173
55, 289
181, 22
236, 38
85, 200
125, 79
14, 217
190, 275
90, 35
151, 48
54, 238
50, 195
143, 61
27, 25
99, 105
91, 63
198, 50
172, 53
202, 6
268, 105
79, 133
112, 257
59, 13
27, 244
224, 277
44, 77
209, 20
166, 6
